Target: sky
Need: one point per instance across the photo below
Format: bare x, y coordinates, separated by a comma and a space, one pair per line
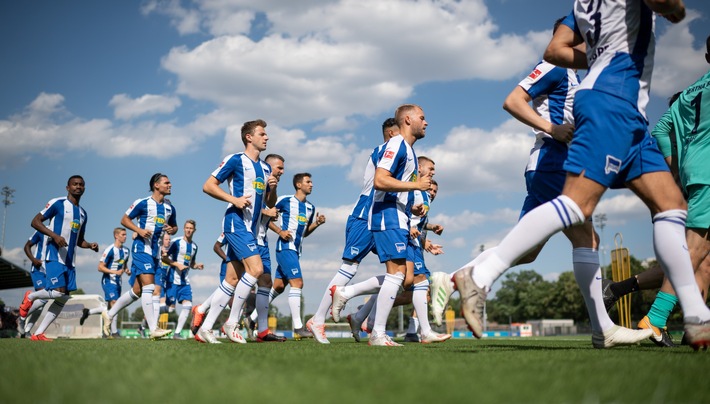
117, 91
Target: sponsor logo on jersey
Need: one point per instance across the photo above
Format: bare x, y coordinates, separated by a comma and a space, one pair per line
400, 247
389, 154
75, 225
414, 177
302, 220
159, 221
613, 165
259, 185
535, 74
188, 257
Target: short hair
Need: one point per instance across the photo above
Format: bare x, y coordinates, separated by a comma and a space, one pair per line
248, 128
403, 110
274, 156
388, 123
298, 178
155, 178
73, 177
674, 97
433, 182
557, 24
192, 222
118, 230
422, 159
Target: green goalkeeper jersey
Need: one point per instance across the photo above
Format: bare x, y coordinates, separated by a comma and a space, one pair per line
688, 119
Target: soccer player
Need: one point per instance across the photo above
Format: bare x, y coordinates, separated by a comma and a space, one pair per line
112, 265
154, 215
358, 238
39, 280
611, 148
249, 181
67, 224
161, 300
298, 219
392, 207
181, 258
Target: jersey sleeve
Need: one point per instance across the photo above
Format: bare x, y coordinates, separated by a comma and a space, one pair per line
107, 256
663, 132
36, 238
392, 156
135, 209
52, 208
544, 79
173, 250
571, 22
227, 168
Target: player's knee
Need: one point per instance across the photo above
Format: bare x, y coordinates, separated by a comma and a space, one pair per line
569, 212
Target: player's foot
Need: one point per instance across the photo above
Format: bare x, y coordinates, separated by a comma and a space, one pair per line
178, 336
232, 331
84, 316
434, 336
381, 340
106, 326
26, 304
268, 336
159, 333
616, 336
354, 327
409, 337
28, 335
300, 333
659, 337
610, 298
473, 299
206, 337
116, 335
697, 333
318, 331
21, 326
41, 337
441, 290
197, 320
338, 301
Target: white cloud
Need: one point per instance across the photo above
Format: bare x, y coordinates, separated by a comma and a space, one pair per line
622, 208
184, 20
126, 107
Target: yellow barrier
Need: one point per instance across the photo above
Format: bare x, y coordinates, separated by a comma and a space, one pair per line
621, 270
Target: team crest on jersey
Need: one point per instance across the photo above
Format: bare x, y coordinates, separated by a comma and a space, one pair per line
418, 265
159, 221
75, 225
389, 154
259, 185
354, 251
302, 220
535, 74
54, 281
294, 271
400, 247
613, 165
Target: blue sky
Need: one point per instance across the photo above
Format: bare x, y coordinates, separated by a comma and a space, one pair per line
116, 91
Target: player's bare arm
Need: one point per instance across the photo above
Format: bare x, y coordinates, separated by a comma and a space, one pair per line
517, 104
564, 49
37, 224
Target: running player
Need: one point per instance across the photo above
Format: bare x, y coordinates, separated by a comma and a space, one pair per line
67, 223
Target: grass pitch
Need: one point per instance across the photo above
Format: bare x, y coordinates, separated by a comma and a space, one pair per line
540, 370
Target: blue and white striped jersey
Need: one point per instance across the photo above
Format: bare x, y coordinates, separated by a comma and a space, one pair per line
184, 252
392, 210
420, 221
552, 89
223, 242
115, 259
364, 201
38, 241
67, 220
262, 229
620, 47
152, 216
244, 177
295, 216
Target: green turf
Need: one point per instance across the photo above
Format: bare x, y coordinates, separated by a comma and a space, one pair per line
542, 370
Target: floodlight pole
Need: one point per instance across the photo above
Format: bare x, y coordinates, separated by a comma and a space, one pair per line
7, 201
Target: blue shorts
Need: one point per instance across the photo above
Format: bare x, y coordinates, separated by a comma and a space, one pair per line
265, 258
112, 291
161, 276
169, 292
358, 240
39, 278
178, 294
391, 244
242, 245
611, 141
415, 255
289, 266
143, 263
60, 276
223, 270
543, 186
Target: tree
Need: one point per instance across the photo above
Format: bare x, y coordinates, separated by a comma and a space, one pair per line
523, 295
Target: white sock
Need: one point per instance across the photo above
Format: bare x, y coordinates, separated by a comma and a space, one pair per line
365, 310
220, 299
241, 292
262, 309
589, 279
156, 309
343, 277
385, 300
369, 286
532, 229
672, 252
54, 309
32, 318
294, 302
419, 302
182, 318
114, 325
124, 301
44, 294
37, 304
202, 308
97, 310
147, 304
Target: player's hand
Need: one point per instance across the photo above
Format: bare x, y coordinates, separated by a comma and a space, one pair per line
437, 229
677, 16
119, 272
94, 246
36, 263
145, 233
128, 271
200, 266
242, 202
272, 181
59, 241
320, 219
424, 183
435, 249
414, 233
285, 235
563, 133
270, 212
418, 209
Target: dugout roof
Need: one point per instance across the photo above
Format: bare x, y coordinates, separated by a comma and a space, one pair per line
13, 276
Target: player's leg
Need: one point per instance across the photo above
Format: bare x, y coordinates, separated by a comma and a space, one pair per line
220, 299
651, 278
65, 282
185, 299
341, 294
